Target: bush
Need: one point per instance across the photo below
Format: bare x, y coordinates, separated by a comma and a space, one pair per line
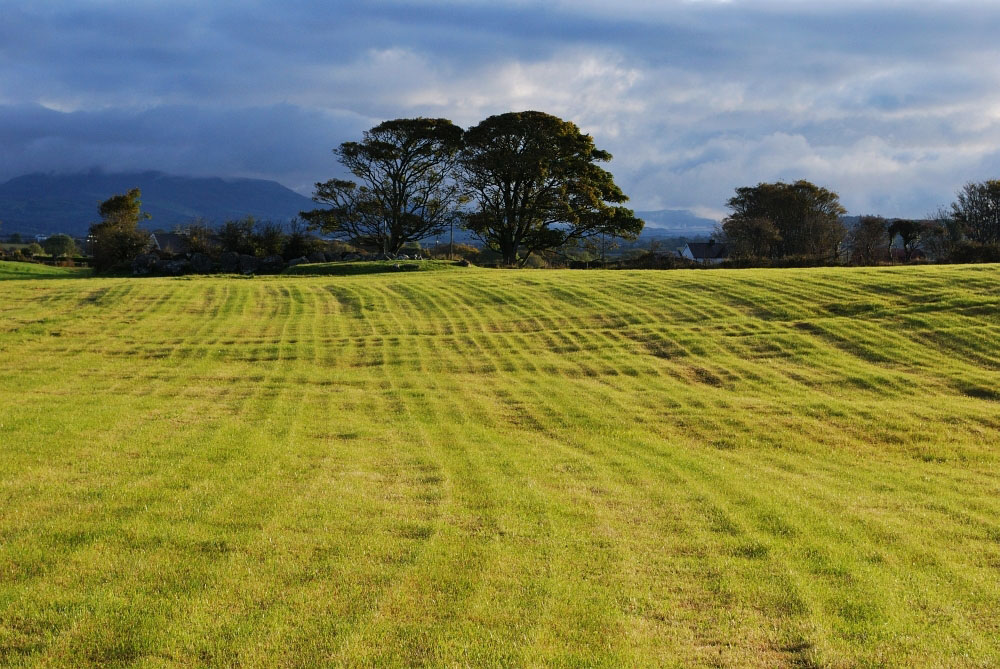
299, 242
466, 251
975, 252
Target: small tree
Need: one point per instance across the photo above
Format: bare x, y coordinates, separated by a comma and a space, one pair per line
299, 242
58, 246
911, 234
868, 240
117, 238
977, 210
202, 238
237, 236
268, 239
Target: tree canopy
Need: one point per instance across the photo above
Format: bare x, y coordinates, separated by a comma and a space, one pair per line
59, 245
534, 184
977, 210
805, 216
117, 238
405, 189
869, 240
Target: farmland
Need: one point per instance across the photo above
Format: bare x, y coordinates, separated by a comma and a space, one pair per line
502, 468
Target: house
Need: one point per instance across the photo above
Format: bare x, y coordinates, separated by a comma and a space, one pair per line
706, 253
169, 242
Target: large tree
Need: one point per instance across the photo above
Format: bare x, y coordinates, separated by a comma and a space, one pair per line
977, 210
534, 184
405, 189
750, 238
117, 238
806, 216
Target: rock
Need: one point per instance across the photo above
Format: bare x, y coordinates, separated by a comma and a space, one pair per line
298, 261
144, 264
351, 257
464, 262
317, 256
229, 262
175, 267
402, 256
272, 265
249, 264
201, 263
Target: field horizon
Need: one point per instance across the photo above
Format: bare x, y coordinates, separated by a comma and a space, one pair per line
788, 467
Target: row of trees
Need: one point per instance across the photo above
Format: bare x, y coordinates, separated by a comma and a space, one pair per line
530, 183
522, 182
775, 221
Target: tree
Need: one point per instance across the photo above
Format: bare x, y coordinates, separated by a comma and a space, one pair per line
977, 210
237, 236
750, 238
806, 216
59, 245
299, 242
910, 233
405, 189
534, 184
868, 240
202, 238
117, 238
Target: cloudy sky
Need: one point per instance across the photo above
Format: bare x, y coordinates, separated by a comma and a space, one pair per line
892, 104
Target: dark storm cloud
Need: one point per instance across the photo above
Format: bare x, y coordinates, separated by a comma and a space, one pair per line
892, 104
280, 142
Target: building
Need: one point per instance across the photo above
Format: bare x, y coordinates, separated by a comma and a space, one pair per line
169, 242
706, 253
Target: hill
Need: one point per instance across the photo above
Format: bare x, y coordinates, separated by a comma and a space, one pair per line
53, 203
793, 468
676, 223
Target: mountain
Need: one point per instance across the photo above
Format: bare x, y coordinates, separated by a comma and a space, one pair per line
53, 203
675, 222
67, 203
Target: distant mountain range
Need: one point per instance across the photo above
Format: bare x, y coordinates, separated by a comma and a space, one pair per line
675, 223
67, 203
53, 203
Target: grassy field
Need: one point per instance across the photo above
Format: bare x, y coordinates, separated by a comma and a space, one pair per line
25, 270
502, 468
370, 267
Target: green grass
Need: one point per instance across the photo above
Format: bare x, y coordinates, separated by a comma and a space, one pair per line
503, 468
349, 268
26, 270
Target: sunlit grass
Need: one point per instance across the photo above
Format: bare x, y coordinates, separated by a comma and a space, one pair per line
371, 267
503, 468
25, 270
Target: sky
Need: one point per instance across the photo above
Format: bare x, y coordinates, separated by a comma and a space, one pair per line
894, 105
